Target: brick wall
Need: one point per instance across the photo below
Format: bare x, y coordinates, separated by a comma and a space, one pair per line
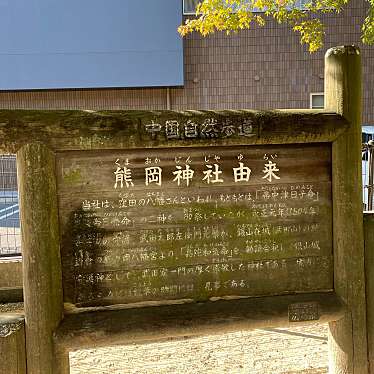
260, 68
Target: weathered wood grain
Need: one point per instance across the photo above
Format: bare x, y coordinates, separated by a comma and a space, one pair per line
12, 344
37, 136
347, 339
89, 171
41, 254
126, 241
369, 272
78, 130
11, 294
145, 324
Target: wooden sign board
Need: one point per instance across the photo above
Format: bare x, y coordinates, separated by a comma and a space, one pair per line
194, 223
256, 213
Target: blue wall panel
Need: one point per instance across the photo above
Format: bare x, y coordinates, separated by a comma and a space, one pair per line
90, 43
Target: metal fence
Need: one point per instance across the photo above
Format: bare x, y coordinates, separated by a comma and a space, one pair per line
10, 241
368, 167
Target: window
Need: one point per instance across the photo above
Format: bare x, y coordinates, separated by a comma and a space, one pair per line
189, 6
317, 100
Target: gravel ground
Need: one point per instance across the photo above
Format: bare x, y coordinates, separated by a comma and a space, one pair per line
11, 308
300, 350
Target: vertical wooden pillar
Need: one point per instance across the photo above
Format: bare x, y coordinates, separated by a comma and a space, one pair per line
12, 344
42, 282
369, 271
347, 337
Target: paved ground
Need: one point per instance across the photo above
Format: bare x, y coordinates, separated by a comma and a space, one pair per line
301, 350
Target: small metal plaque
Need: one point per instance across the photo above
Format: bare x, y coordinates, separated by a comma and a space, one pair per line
302, 312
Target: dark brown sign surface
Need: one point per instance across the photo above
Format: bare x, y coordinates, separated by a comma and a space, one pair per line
195, 223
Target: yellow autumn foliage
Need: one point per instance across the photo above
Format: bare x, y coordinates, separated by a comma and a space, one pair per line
235, 15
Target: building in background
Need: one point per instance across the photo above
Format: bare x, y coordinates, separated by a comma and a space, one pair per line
90, 44
260, 68
128, 55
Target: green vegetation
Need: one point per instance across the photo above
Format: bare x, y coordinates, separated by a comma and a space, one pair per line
234, 15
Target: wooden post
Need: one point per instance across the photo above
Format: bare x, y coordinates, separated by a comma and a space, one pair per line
369, 270
12, 344
41, 254
347, 337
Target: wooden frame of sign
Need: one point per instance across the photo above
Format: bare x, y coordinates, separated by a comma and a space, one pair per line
139, 226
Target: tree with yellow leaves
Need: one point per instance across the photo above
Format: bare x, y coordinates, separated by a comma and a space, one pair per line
234, 15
